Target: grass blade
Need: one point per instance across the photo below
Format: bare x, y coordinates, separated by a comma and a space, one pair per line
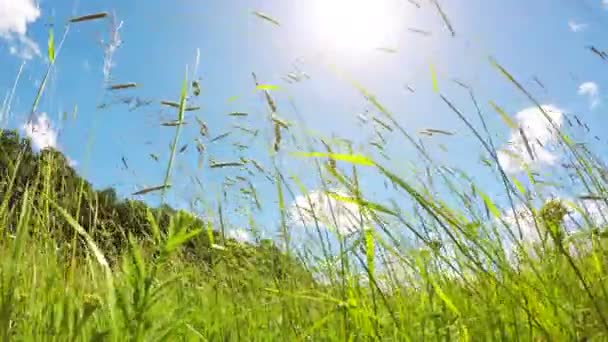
266, 17
151, 189
504, 116
434, 79
51, 47
266, 87
122, 86
444, 17
89, 17
349, 158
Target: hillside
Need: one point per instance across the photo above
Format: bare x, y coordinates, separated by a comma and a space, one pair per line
110, 221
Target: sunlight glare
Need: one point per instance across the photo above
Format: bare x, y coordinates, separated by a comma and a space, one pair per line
352, 25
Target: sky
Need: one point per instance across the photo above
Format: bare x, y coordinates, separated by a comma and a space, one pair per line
391, 47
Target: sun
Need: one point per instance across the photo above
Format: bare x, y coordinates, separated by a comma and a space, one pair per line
353, 25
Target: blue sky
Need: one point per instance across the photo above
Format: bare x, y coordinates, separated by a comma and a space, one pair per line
544, 39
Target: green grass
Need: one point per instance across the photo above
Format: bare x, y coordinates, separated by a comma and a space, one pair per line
68, 273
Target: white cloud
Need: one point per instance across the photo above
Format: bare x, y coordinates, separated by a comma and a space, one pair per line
522, 219
538, 135
592, 91
577, 27
43, 135
605, 4
72, 162
595, 211
588, 88
240, 235
532, 234
41, 132
15, 15
329, 212
575, 224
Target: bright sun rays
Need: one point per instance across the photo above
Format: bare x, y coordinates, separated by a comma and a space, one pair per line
354, 25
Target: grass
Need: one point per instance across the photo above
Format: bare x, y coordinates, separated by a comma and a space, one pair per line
465, 272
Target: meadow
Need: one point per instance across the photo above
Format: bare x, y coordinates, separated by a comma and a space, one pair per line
442, 260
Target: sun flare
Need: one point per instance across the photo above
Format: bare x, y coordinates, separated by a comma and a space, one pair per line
350, 25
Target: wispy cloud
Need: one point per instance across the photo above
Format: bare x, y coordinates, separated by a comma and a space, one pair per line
592, 91
531, 148
605, 4
577, 27
319, 207
41, 132
111, 46
15, 16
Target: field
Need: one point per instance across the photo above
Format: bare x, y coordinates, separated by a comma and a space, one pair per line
436, 257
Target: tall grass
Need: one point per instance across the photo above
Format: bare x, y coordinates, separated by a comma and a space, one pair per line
433, 265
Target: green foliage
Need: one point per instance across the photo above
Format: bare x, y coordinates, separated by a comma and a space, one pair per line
552, 215
110, 221
141, 273
79, 263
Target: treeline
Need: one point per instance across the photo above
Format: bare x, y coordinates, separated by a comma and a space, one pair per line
49, 180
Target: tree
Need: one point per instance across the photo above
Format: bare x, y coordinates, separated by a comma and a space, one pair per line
111, 220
